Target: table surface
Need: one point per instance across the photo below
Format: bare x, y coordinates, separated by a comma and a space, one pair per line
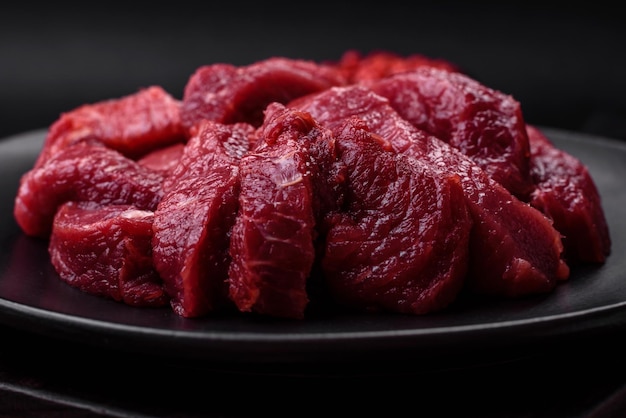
42, 376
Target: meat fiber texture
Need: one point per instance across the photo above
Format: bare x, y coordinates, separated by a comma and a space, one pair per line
377, 182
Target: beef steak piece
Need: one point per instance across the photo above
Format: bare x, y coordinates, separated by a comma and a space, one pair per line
514, 248
83, 171
401, 241
272, 243
484, 124
107, 251
193, 220
163, 159
226, 93
133, 125
567, 194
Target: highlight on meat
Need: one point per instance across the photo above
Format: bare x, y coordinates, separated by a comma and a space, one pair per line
373, 183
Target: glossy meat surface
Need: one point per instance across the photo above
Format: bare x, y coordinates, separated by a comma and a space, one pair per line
377, 182
272, 242
483, 123
133, 125
567, 194
401, 241
84, 171
514, 249
193, 220
226, 93
107, 251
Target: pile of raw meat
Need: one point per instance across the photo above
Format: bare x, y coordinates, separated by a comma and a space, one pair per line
376, 182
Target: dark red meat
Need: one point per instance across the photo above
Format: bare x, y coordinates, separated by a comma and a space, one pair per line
358, 67
133, 125
107, 251
84, 171
272, 243
567, 194
483, 123
227, 94
193, 220
401, 243
377, 182
328, 172
163, 159
514, 249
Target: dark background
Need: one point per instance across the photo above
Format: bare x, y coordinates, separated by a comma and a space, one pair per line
564, 63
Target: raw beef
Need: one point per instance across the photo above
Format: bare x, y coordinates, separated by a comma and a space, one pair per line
483, 123
272, 243
163, 159
567, 194
401, 241
376, 182
84, 171
133, 125
514, 249
227, 94
193, 220
107, 251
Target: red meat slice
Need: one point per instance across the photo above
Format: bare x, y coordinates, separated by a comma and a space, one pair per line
514, 248
193, 220
227, 94
402, 242
272, 243
567, 194
327, 171
358, 67
483, 123
133, 124
163, 159
106, 251
84, 171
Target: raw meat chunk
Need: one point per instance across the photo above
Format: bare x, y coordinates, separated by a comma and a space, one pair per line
567, 194
483, 123
401, 244
193, 220
272, 242
107, 251
514, 248
133, 125
377, 182
84, 171
163, 159
328, 172
227, 94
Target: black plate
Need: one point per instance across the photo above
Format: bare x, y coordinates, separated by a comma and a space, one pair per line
593, 301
